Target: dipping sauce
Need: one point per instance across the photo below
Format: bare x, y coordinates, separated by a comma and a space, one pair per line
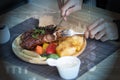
68, 67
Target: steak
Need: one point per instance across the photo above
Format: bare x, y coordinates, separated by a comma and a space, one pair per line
30, 39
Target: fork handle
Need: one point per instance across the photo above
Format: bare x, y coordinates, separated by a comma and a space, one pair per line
79, 33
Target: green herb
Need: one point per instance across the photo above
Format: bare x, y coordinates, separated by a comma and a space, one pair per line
35, 35
45, 55
37, 32
54, 56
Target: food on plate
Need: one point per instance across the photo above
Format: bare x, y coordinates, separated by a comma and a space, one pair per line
54, 56
40, 40
39, 49
30, 39
40, 43
51, 48
70, 46
45, 45
30, 53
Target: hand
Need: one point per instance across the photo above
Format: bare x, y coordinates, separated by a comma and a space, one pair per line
71, 6
102, 30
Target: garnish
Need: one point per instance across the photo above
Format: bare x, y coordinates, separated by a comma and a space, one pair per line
54, 56
34, 35
37, 32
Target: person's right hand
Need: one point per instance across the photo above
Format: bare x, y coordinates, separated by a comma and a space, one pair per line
102, 30
70, 7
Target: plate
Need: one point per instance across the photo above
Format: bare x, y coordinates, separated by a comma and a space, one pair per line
31, 56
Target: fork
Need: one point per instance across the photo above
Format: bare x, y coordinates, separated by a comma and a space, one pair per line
70, 32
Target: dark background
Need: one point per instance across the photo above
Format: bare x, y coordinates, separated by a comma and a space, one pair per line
7, 5
112, 5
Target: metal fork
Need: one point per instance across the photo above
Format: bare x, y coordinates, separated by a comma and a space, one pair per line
70, 32
59, 22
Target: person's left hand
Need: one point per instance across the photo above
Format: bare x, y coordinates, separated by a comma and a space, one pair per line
102, 30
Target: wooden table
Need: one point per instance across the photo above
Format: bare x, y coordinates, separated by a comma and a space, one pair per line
86, 16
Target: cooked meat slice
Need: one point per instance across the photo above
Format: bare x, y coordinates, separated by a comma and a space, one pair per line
38, 36
49, 38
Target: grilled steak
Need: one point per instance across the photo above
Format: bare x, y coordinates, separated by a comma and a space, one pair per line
30, 39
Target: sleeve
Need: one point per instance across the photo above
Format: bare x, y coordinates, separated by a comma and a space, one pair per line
117, 22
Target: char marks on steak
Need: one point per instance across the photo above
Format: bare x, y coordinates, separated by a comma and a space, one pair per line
29, 42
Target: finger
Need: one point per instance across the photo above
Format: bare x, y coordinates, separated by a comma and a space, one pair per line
97, 29
104, 38
65, 18
100, 35
92, 36
72, 9
70, 4
64, 9
95, 24
87, 34
69, 11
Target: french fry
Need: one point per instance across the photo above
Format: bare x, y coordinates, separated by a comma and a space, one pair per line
38, 60
24, 56
30, 53
30, 58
